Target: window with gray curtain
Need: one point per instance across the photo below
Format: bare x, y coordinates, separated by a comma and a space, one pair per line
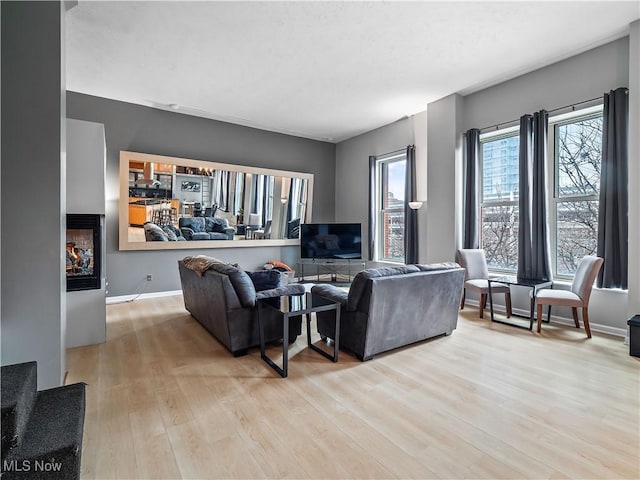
614, 197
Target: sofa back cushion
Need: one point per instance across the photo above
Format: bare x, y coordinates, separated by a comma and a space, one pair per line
240, 281
153, 233
215, 224
432, 267
194, 223
359, 294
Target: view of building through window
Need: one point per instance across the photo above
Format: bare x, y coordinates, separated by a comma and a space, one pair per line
499, 212
391, 198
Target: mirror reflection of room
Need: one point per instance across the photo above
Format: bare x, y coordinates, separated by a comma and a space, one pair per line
179, 203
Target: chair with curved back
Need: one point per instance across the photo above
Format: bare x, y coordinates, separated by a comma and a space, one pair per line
476, 279
263, 233
578, 296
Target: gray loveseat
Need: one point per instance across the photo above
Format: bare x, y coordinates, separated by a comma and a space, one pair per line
223, 300
391, 307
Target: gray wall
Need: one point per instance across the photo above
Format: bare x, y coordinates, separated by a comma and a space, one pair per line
148, 130
575, 79
33, 178
443, 133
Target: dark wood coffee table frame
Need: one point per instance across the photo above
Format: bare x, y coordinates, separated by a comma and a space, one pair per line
327, 305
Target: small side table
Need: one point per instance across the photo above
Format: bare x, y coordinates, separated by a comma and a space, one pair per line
292, 306
532, 284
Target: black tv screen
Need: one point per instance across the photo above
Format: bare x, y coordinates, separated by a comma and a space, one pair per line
331, 240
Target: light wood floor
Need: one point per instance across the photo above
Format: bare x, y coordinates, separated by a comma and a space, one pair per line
166, 400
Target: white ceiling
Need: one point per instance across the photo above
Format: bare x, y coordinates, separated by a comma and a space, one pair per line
321, 70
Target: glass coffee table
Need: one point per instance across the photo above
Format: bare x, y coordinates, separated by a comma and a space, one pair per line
293, 306
533, 284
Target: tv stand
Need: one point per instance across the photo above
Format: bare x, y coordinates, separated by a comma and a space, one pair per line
330, 266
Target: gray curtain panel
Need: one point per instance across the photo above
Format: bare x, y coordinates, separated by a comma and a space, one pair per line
614, 197
372, 207
533, 240
471, 236
410, 216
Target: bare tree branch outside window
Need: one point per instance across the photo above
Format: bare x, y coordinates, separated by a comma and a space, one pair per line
578, 160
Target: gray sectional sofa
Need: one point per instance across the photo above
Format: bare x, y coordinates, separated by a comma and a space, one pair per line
391, 307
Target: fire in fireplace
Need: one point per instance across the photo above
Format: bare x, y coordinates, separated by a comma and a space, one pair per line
83, 251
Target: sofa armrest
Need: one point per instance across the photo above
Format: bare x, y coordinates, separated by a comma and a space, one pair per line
332, 293
292, 289
230, 232
187, 233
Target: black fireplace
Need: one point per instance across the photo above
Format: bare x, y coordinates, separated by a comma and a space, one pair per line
83, 251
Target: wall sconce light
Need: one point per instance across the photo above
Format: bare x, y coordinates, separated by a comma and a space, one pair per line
415, 205
284, 200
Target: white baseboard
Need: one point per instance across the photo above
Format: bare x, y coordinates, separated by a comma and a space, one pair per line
618, 332
131, 298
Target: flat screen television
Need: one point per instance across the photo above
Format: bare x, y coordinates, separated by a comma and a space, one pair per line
331, 240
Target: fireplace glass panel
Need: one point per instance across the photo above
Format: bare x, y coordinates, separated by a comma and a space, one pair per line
83, 247
80, 248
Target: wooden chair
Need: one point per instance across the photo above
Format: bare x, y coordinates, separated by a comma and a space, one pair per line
476, 279
578, 296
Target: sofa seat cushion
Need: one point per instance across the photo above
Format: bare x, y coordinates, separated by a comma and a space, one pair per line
217, 236
200, 236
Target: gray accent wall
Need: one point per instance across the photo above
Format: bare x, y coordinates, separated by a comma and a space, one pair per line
144, 129
33, 310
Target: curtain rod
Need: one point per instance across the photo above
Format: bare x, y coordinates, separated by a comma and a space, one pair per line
400, 150
573, 106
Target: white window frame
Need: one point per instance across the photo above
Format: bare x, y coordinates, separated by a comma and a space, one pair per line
381, 162
486, 138
553, 179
